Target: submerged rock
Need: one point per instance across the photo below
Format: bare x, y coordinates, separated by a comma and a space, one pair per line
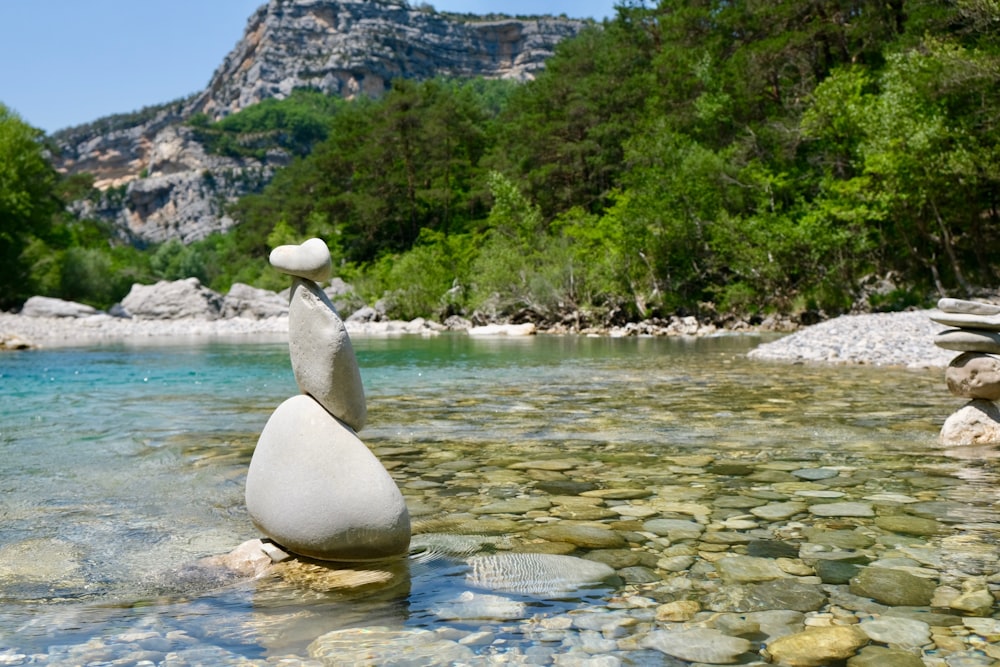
536, 574
699, 645
816, 647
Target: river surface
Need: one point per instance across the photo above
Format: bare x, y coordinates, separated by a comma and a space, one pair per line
124, 465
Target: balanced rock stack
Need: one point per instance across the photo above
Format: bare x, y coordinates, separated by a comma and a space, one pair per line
313, 487
975, 373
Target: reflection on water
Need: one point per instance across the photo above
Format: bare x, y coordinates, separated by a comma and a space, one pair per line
124, 464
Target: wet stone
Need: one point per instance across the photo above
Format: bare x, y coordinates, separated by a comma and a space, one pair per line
772, 549
816, 647
835, 572
900, 632
814, 474
893, 587
908, 525
730, 469
513, 506
784, 594
564, 487
583, 535
778, 511
881, 656
848, 509
674, 529
699, 645
840, 539
744, 569
615, 558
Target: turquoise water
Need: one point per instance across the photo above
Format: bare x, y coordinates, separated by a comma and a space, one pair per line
123, 464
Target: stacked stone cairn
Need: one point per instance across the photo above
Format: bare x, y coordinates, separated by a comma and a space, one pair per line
313, 487
975, 373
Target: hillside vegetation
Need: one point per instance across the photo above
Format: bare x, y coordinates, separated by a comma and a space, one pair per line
699, 157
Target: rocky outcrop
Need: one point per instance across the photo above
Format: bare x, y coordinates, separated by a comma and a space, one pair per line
156, 181
351, 47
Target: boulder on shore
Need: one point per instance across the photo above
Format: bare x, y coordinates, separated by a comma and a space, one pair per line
174, 300
246, 301
45, 306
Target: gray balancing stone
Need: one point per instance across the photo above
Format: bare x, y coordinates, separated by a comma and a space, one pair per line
968, 321
314, 488
322, 356
967, 307
969, 340
974, 375
310, 260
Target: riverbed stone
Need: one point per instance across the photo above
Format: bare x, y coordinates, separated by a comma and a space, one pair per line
703, 645
589, 536
778, 511
322, 355
674, 529
975, 423
974, 375
816, 647
846, 509
745, 569
893, 587
880, 656
909, 525
310, 260
835, 572
315, 489
545, 575
897, 632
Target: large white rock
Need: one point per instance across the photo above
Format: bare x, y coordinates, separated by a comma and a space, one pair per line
45, 306
170, 300
246, 301
314, 488
322, 356
975, 423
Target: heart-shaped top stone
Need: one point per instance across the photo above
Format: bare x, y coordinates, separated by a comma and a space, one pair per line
309, 260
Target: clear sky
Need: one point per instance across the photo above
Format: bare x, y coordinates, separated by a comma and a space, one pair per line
67, 62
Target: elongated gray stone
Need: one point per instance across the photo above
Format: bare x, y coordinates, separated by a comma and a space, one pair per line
536, 574
314, 488
323, 358
969, 340
974, 375
968, 321
310, 260
698, 645
949, 305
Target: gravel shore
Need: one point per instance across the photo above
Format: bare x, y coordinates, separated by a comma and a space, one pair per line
880, 339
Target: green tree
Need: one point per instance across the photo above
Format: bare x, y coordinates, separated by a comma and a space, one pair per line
27, 201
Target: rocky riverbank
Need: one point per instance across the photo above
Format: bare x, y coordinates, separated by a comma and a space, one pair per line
185, 308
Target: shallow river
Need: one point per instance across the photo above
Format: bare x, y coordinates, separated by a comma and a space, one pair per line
124, 464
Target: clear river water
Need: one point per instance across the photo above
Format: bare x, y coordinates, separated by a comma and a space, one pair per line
123, 467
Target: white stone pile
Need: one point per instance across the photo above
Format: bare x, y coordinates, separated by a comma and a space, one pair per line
973, 374
313, 487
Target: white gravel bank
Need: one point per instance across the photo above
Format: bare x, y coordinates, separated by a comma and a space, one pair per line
878, 339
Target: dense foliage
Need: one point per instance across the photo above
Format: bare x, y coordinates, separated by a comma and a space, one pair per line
740, 157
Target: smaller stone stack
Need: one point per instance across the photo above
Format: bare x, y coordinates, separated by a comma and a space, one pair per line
973, 374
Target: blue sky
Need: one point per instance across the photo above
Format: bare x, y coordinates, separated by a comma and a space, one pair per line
67, 62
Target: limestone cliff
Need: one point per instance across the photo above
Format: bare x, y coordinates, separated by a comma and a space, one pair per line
158, 182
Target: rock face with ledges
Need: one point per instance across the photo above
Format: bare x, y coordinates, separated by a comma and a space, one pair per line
348, 47
157, 183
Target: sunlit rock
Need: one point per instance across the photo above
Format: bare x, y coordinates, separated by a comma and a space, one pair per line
316, 489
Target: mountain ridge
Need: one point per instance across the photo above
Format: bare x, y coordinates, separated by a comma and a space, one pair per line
157, 182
